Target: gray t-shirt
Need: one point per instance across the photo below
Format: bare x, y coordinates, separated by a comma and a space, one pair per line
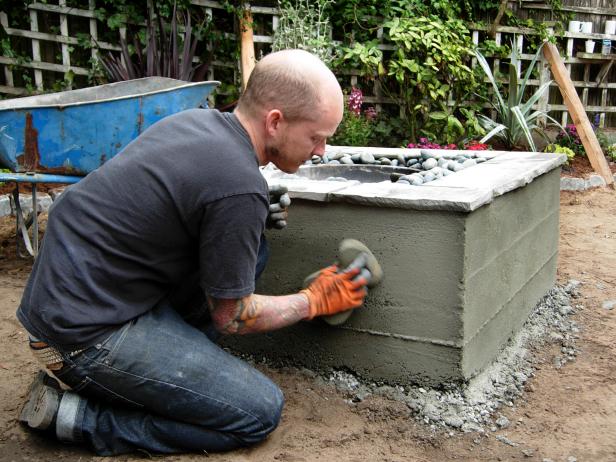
185, 196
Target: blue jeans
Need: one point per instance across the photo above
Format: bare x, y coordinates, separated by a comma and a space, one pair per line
162, 385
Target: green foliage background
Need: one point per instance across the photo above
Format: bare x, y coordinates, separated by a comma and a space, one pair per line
428, 72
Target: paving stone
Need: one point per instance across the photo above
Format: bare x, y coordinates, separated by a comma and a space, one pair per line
595, 181
572, 184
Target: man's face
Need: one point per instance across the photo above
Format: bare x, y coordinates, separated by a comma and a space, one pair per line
293, 143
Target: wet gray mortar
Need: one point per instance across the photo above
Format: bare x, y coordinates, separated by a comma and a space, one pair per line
474, 406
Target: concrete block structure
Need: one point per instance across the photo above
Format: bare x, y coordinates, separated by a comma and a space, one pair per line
465, 259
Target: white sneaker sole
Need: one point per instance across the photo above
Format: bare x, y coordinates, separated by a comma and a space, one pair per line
41, 406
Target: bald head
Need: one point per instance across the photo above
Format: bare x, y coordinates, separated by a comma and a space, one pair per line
293, 81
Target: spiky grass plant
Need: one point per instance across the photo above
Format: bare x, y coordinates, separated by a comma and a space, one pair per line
162, 55
515, 118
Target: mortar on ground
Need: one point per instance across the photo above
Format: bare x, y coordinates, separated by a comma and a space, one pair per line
465, 257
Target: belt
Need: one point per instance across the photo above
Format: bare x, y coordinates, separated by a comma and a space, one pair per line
49, 356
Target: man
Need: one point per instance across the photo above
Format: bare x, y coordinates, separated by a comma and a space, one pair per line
115, 305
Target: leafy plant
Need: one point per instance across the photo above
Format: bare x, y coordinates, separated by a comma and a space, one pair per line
516, 119
162, 56
558, 149
429, 64
304, 24
491, 48
610, 152
570, 139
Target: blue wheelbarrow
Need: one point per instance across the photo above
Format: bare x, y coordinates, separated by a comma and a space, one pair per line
61, 137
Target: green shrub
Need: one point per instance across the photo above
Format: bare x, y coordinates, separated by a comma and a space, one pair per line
610, 152
558, 149
428, 66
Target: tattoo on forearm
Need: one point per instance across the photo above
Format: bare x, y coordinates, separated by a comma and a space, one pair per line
257, 313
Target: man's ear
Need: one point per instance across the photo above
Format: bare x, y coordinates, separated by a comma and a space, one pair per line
273, 119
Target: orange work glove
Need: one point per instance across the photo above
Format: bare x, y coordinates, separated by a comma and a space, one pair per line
332, 292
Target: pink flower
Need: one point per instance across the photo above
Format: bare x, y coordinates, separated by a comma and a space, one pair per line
370, 113
356, 98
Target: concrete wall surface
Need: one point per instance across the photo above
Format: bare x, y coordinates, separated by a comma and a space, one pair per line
456, 284
510, 263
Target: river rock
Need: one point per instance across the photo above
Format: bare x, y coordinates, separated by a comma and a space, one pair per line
453, 421
367, 158
429, 176
609, 305
469, 163
356, 158
394, 163
334, 162
503, 422
346, 160
595, 181
429, 164
412, 162
385, 161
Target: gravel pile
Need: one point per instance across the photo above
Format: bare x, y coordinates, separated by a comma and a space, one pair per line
430, 165
473, 406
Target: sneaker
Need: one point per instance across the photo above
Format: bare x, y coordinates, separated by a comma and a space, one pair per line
42, 403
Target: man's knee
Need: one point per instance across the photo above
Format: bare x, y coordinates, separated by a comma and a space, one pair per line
267, 413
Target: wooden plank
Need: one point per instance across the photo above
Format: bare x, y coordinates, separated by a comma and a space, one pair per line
93, 31
62, 10
66, 56
43, 66
577, 9
605, 70
603, 104
8, 73
218, 5
596, 56
578, 114
247, 46
36, 50
587, 80
55, 38
10, 90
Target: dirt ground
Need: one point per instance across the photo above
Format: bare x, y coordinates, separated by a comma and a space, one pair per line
565, 414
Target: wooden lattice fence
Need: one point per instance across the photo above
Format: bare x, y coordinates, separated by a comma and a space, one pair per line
57, 51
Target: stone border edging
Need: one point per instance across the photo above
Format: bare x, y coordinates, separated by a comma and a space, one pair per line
581, 184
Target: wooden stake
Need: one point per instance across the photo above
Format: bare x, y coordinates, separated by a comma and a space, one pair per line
578, 114
247, 49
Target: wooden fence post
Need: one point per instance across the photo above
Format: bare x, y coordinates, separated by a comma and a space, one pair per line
578, 114
247, 48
